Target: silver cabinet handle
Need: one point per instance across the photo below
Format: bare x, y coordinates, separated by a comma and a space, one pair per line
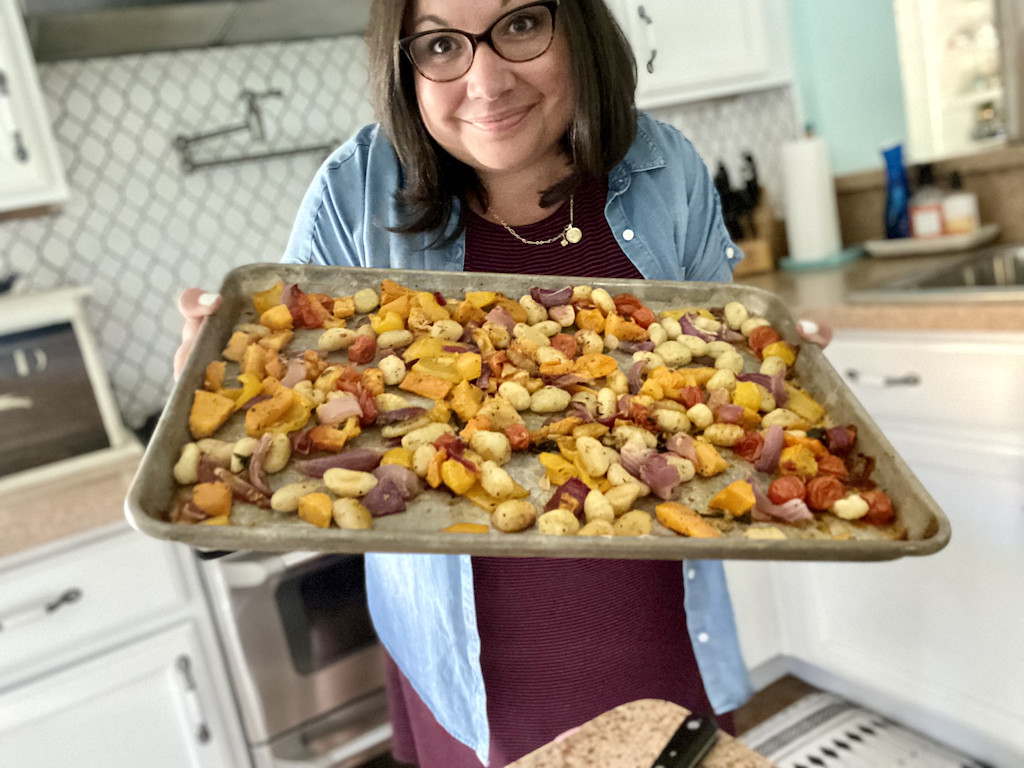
644, 16
40, 611
881, 380
195, 710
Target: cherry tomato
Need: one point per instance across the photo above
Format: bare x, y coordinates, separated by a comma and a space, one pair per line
518, 437
761, 337
783, 489
626, 304
749, 447
644, 317
824, 491
880, 511
564, 343
832, 465
690, 396
362, 350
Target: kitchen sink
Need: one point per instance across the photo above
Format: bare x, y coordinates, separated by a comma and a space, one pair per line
995, 274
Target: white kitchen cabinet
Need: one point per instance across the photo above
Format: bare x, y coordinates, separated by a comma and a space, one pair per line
108, 658
690, 50
137, 706
933, 642
31, 174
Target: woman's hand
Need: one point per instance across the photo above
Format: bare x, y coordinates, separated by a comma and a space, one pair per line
195, 305
816, 333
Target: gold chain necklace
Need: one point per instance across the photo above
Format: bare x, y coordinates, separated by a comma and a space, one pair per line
571, 233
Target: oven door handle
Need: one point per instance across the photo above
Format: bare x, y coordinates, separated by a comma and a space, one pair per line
249, 574
353, 752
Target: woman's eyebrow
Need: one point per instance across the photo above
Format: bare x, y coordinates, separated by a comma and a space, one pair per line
420, 20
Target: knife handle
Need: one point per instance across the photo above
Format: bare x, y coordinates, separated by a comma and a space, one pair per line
691, 742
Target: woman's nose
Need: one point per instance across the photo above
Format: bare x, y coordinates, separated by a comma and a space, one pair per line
489, 76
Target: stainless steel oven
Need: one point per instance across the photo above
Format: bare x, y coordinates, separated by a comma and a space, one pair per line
303, 657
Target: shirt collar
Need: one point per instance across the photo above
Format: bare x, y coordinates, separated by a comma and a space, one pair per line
643, 155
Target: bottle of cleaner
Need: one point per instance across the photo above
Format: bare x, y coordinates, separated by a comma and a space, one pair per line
897, 220
926, 205
959, 208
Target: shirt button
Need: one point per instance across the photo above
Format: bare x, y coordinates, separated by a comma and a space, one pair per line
691, 574
730, 252
627, 234
703, 637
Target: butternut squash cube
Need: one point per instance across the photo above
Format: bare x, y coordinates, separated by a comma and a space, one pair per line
209, 412
317, 509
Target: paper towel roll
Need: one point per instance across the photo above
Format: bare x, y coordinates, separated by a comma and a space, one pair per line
809, 200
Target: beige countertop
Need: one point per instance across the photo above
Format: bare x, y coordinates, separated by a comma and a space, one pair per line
64, 505
823, 295
632, 736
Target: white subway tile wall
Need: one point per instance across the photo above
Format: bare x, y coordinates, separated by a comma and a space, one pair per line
138, 229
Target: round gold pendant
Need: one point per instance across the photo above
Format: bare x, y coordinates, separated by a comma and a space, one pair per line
573, 234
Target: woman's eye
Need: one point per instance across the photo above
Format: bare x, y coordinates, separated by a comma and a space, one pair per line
522, 23
441, 45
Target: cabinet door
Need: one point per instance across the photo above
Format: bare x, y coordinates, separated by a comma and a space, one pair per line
30, 171
148, 704
688, 50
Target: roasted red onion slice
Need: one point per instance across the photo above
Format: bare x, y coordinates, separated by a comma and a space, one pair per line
769, 459
404, 478
662, 477
682, 445
792, 511
339, 408
635, 378
633, 456
259, 453
548, 297
730, 413
501, 316
569, 495
362, 459
243, 490
295, 372
691, 330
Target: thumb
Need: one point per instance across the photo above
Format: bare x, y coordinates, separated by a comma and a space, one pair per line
196, 303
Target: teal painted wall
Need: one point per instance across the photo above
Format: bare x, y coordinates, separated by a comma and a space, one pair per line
848, 77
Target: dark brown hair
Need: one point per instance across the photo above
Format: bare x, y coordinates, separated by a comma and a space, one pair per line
601, 129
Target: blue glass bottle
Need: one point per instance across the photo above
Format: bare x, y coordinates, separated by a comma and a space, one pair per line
897, 194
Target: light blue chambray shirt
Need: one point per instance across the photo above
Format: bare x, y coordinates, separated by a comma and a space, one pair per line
665, 214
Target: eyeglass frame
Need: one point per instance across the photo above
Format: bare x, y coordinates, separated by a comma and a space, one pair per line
406, 42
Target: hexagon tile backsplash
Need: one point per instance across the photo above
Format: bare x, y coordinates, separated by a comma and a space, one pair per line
138, 229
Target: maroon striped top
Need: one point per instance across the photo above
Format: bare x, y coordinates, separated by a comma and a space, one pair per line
490, 248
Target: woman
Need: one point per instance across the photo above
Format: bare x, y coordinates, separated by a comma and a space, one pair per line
508, 141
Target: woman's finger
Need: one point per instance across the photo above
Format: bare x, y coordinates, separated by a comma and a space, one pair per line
816, 333
195, 302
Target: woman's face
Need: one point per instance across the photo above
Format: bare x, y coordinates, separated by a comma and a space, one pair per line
500, 116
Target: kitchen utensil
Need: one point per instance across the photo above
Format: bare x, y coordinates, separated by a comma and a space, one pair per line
691, 742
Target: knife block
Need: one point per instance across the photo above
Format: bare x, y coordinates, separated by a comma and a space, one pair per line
758, 250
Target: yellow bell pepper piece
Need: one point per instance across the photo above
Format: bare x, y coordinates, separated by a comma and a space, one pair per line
277, 318
747, 394
480, 299
387, 321
264, 300
780, 349
457, 476
798, 460
400, 456
804, 405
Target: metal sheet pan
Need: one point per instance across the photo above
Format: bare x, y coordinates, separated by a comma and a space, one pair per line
420, 528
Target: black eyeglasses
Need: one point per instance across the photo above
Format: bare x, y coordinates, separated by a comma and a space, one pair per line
522, 34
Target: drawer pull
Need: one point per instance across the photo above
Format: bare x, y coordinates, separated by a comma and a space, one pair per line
202, 731
35, 612
879, 380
